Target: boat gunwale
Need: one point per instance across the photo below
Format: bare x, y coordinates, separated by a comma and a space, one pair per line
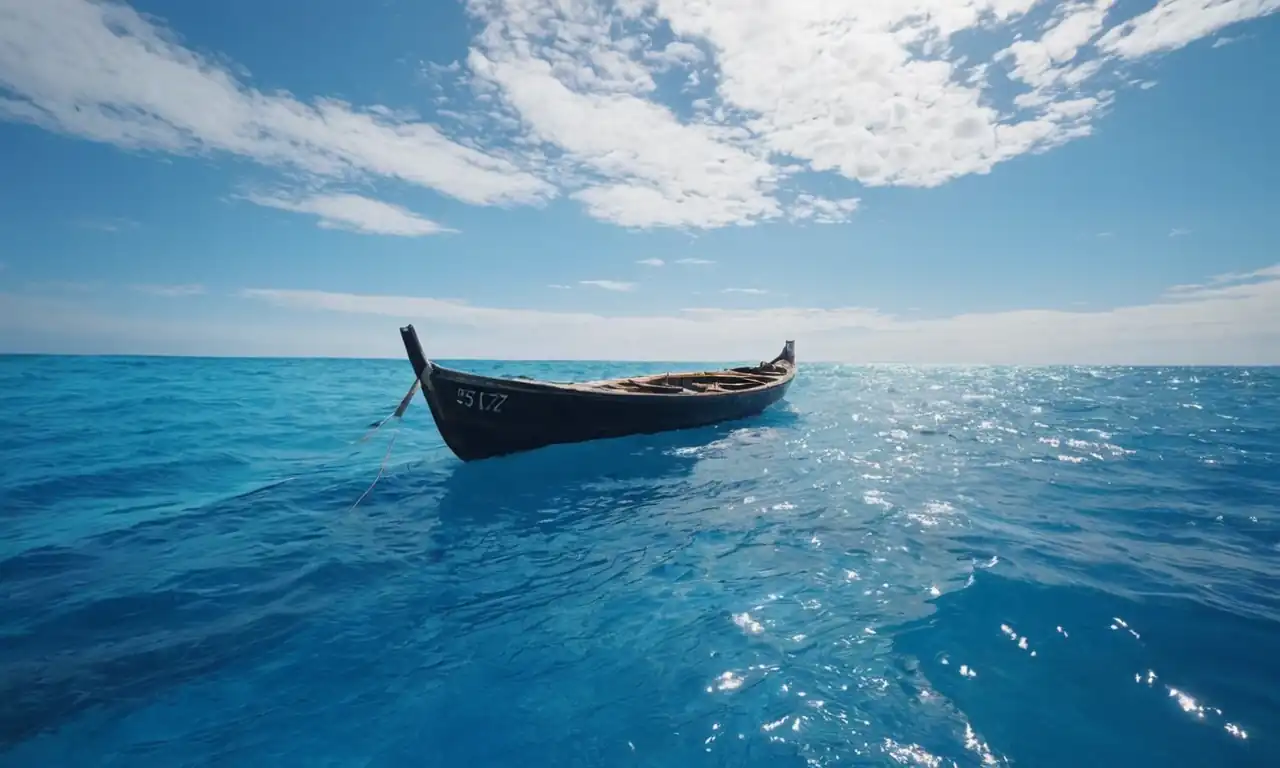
596, 388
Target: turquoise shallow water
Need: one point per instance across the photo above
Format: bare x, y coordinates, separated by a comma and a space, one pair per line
918, 566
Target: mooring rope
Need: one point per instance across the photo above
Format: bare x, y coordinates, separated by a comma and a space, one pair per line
381, 469
397, 415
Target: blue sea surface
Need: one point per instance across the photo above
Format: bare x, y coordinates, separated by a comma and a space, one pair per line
894, 566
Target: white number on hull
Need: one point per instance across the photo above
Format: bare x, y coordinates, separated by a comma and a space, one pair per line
483, 401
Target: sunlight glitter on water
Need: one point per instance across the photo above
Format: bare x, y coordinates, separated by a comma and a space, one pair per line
821, 589
748, 624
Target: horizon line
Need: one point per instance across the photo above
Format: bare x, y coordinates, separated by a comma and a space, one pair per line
802, 362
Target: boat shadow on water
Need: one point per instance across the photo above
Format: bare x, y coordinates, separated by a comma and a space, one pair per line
564, 485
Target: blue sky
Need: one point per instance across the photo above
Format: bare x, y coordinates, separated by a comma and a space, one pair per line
924, 181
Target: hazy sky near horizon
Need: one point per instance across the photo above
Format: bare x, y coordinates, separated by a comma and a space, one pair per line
930, 181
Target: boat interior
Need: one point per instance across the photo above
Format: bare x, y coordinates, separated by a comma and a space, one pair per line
729, 380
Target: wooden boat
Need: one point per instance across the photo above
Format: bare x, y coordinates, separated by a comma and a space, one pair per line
482, 416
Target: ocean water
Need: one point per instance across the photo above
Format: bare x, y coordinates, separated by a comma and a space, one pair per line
894, 566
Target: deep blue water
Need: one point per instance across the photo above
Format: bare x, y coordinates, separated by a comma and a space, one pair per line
922, 566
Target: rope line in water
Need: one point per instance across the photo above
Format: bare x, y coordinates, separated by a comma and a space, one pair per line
329, 458
397, 415
381, 470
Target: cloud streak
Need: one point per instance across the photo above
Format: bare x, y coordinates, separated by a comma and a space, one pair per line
171, 291
101, 71
609, 285
111, 225
1172, 24
1230, 319
355, 213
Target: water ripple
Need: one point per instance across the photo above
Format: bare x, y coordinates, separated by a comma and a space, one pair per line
915, 566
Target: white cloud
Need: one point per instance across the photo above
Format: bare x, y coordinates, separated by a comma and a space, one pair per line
1230, 319
676, 53
645, 168
560, 286
877, 94
822, 211
695, 262
1044, 62
1224, 284
437, 68
1178, 232
101, 71
651, 262
565, 98
747, 291
1171, 24
171, 291
609, 285
355, 213
872, 94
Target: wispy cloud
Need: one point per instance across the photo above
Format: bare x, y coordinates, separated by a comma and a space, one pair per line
1236, 325
101, 71
568, 103
1106, 234
748, 291
1172, 24
651, 262
822, 211
609, 285
695, 262
355, 213
1229, 319
1178, 232
676, 54
1224, 284
107, 224
559, 286
171, 291
437, 68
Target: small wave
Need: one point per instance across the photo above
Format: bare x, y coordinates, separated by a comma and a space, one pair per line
827, 584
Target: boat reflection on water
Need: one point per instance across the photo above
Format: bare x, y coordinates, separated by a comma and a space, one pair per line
562, 483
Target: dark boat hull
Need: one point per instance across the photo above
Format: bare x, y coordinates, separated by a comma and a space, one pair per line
481, 417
